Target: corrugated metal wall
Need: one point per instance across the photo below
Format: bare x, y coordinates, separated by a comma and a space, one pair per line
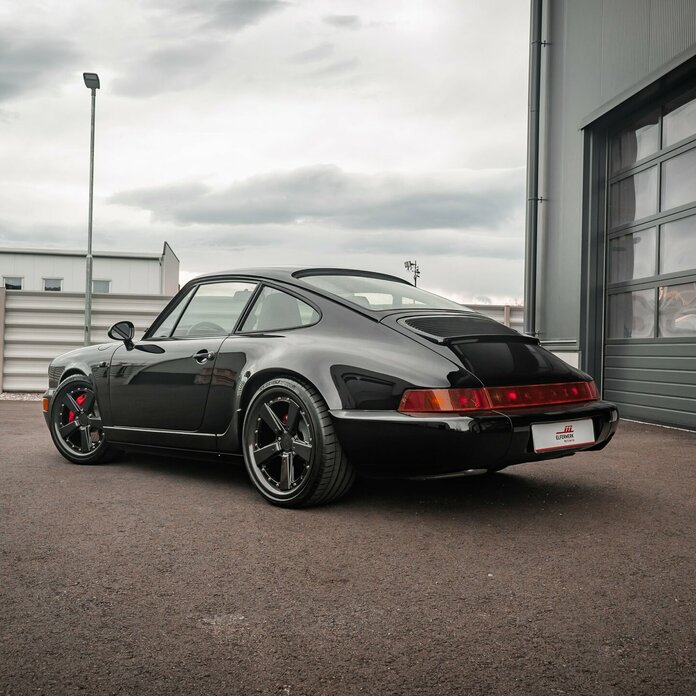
652, 381
39, 326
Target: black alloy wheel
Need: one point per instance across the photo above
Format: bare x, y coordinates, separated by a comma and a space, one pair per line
291, 451
75, 422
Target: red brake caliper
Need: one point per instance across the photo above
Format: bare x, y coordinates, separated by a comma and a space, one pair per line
79, 401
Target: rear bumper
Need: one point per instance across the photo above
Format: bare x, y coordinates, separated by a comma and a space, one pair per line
392, 443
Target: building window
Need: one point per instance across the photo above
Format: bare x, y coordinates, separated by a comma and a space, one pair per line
101, 286
12, 282
651, 241
52, 284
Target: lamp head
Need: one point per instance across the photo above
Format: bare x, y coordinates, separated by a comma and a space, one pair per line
91, 80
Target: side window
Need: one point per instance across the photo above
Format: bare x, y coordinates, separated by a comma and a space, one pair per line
166, 326
275, 310
214, 309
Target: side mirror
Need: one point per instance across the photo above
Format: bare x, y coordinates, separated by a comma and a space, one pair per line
123, 331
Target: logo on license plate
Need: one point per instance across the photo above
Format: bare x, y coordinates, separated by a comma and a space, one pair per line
553, 436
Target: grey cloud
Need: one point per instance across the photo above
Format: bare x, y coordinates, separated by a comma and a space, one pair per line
312, 55
194, 39
434, 243
30, 63
169, 69
325, 194
339, 67
343, 21
227, 15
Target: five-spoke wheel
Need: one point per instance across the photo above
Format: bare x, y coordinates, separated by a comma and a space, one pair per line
290, 448
76, 426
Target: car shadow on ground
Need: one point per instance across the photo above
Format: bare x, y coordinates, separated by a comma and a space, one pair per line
517, 488
512, 490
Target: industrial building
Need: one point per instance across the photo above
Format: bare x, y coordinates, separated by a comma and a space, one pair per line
42, 304
54, 270
610, 279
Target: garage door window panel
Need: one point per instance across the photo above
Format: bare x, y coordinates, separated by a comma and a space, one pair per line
679, 180
632, 314
636, 142
677, 310
634, 197
679, 122
632, 256
678, 245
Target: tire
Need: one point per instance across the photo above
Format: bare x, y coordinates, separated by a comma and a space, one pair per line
75, 422
291, 451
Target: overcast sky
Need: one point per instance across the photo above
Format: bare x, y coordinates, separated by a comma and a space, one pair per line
354, 133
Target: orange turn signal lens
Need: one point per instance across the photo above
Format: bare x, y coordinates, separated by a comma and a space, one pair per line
439, 400
496, 398
45, 405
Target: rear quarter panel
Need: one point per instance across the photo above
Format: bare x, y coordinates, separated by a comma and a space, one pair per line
352, 360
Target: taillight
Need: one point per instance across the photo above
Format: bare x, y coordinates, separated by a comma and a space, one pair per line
496, 398
439, 400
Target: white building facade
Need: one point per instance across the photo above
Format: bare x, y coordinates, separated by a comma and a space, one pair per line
52, 270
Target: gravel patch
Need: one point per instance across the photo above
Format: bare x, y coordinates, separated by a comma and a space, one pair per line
19, 396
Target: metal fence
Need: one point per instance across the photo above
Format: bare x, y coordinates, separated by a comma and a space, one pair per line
35, 327
510, 315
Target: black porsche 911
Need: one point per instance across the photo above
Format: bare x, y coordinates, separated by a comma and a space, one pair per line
314, 374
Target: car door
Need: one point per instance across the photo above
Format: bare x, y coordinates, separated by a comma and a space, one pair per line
162, 382
258, 344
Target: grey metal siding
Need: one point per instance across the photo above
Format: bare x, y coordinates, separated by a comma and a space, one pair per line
596, 50
653, 381
672, 30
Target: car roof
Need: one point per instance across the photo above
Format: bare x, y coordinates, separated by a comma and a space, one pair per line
292, 274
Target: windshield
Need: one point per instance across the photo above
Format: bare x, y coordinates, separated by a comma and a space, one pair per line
380, 293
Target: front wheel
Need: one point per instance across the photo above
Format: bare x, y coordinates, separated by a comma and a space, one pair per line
291, 451
75, 422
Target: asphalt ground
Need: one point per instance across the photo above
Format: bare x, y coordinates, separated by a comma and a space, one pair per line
157, 576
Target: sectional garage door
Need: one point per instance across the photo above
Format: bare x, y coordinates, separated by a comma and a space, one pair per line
650, 332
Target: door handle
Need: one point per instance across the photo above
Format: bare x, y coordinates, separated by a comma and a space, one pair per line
202, 356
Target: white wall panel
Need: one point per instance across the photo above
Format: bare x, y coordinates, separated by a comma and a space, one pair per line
39, 326
141, 276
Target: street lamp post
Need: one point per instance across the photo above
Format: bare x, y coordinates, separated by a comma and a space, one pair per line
92, 83
414, 268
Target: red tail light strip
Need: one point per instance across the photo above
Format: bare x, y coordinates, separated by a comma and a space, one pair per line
496, 398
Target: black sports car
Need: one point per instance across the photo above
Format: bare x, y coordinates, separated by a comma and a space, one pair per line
312, 374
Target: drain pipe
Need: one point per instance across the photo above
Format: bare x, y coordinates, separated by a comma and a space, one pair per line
533, 200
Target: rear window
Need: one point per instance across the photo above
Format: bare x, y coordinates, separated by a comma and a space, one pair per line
379, 293
501, 364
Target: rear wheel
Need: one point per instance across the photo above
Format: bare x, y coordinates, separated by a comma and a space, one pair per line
75, 422
291, 451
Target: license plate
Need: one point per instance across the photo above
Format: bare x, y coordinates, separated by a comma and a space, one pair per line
562, 435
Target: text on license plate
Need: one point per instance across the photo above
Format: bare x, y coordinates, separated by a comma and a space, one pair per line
563, 434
